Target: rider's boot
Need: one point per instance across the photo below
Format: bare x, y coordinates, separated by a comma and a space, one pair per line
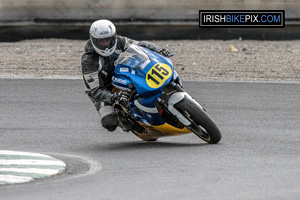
109, 118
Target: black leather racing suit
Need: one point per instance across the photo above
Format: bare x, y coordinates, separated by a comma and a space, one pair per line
97, 70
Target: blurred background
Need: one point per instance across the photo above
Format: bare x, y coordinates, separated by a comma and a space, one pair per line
142, 19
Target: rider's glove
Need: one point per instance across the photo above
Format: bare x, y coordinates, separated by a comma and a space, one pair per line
164, 52
114, 98
122, 98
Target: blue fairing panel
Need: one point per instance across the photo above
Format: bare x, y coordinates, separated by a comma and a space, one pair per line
141, 77
145, 113
149, 72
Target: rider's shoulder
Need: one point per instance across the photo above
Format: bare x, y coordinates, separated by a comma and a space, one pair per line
124, 39
124, 42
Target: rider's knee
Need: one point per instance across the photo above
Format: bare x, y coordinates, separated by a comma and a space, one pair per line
109, 119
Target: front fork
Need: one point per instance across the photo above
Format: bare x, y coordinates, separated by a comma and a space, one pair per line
176, 98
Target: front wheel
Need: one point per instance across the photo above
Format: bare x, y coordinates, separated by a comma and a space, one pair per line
202, 125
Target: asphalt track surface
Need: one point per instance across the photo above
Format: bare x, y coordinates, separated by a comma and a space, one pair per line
257, 158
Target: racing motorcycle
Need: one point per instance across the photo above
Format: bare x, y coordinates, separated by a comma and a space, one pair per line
157, 105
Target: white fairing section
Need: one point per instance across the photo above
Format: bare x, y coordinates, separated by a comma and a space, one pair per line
145, 109
175, 98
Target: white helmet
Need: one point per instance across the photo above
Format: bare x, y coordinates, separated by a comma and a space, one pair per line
103, 37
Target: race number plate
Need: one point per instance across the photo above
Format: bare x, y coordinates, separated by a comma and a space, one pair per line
158, 74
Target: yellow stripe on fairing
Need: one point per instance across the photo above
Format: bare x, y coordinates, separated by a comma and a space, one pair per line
161, 131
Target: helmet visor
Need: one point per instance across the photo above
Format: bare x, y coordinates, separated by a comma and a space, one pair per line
104, 43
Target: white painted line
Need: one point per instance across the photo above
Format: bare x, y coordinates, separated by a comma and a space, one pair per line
60, 77
21, 153
32, 162
21, 167
31, 170
15, 179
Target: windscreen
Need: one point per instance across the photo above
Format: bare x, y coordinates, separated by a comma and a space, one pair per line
134, 56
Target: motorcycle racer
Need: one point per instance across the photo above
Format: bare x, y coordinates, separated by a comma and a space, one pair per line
100, 52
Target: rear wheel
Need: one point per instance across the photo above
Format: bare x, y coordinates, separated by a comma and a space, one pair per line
202, 125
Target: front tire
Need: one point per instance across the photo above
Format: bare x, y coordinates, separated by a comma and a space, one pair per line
203, 126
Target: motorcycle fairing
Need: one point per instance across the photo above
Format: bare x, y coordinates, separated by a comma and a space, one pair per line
129, 68
149, 73
121, 82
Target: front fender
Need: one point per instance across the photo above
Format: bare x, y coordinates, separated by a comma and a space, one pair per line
176, 98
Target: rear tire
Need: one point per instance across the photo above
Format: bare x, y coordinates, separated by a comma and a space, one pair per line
203, 126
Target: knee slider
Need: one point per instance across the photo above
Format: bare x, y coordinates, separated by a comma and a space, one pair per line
108, 117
